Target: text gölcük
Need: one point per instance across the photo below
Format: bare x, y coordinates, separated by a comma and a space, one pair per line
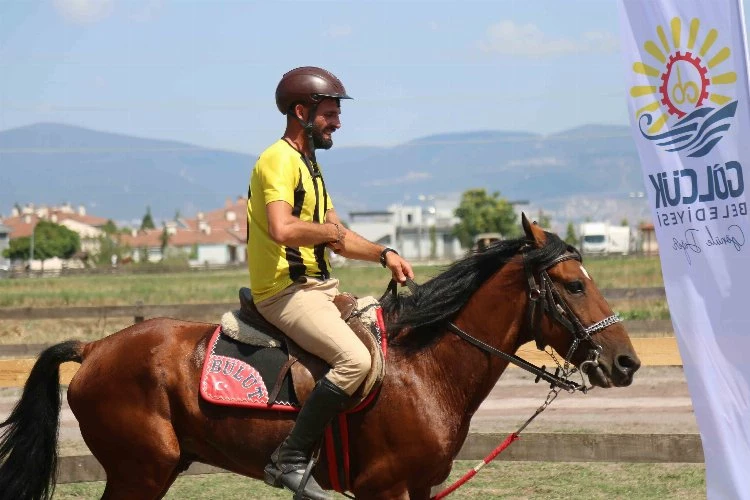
686, 187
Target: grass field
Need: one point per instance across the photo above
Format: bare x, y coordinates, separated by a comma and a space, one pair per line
222, 286
509, 480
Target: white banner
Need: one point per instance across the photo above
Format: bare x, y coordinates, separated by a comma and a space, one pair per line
688, 97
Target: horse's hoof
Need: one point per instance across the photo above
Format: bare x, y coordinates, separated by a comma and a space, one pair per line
272, 476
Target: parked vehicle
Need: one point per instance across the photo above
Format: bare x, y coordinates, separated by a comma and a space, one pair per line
601, 237
483, 240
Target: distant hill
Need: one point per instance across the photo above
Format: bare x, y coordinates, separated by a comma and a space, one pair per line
584, 169
114, 175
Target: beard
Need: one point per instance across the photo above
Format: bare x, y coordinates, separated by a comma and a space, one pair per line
320, 142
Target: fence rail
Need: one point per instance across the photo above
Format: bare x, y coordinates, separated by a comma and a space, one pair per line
532, 447
140, 311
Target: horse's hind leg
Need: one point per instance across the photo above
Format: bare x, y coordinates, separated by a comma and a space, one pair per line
128, 487
143, 464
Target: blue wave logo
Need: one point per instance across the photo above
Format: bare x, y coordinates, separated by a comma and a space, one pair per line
697, 133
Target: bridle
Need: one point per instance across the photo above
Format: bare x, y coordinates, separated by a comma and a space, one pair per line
544, 298
553, 304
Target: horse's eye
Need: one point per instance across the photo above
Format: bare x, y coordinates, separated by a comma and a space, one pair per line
574, 286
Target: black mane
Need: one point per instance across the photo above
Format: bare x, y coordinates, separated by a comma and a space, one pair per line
435, 303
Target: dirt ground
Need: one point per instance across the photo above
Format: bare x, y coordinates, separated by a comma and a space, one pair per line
656, 402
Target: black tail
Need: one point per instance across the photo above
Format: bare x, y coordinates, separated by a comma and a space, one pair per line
28, 444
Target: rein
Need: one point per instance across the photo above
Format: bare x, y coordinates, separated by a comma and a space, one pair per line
541, 372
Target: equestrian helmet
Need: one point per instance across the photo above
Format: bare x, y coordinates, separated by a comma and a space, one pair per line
307, 85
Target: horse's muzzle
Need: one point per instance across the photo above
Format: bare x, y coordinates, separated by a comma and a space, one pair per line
618, 373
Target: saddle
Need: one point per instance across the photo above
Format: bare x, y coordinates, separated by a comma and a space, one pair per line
248, 326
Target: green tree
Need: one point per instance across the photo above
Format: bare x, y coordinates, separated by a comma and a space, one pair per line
50, 240
164, 239
147, 222
624, 222
109, 245
544, 220
570, 235
480, 212
109, 228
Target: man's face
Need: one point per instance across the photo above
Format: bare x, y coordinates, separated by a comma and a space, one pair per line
326, 123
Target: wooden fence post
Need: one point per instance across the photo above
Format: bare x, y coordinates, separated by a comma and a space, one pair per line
139, 317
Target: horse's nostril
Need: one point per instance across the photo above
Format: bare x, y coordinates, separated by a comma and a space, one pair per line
627, 364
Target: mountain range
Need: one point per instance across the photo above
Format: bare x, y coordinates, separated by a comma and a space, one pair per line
591, 172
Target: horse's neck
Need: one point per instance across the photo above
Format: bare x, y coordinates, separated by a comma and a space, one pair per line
462, 373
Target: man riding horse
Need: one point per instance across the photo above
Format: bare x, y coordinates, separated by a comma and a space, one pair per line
291, 221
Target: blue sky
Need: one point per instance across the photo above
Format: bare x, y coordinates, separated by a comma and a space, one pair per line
205, 72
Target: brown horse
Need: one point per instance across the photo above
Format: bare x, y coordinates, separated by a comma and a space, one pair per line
136, 394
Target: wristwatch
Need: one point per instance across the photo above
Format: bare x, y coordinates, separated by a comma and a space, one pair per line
383, 254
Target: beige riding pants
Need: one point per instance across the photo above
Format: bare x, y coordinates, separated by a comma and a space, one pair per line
306, 313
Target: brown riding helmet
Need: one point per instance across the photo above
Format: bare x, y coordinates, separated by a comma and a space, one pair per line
307, 85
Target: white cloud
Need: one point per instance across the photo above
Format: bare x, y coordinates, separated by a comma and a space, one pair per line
409, 177
542, 161
602, 40
509, 38
84, 11
338, 31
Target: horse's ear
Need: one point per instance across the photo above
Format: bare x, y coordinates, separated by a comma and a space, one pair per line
533, 231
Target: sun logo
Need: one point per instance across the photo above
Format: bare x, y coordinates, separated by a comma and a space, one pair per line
685, 106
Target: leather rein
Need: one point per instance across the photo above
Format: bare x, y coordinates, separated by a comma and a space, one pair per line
544, 298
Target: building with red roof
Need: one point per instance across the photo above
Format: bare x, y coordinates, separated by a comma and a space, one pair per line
22, 222
211, 238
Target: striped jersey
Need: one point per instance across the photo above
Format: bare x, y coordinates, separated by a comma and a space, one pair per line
283, 174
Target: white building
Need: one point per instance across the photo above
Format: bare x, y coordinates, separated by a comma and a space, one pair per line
23, 220
417, 232
4, 244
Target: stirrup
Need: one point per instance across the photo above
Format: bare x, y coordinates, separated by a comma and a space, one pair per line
298, 495
272, 477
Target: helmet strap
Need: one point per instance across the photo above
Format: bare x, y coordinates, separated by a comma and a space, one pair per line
308, 128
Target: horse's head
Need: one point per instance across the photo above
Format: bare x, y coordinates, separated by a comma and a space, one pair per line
568, 312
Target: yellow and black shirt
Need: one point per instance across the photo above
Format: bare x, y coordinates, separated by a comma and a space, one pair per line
283, 174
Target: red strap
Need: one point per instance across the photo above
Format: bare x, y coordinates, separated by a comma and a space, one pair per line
333, 475
473, 472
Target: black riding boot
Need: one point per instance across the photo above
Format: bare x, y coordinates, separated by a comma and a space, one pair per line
289, 461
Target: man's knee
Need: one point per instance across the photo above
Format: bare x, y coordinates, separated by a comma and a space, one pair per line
356, 367
362, 361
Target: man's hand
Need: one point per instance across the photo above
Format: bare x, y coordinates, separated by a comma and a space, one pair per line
339, 245
399, 267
